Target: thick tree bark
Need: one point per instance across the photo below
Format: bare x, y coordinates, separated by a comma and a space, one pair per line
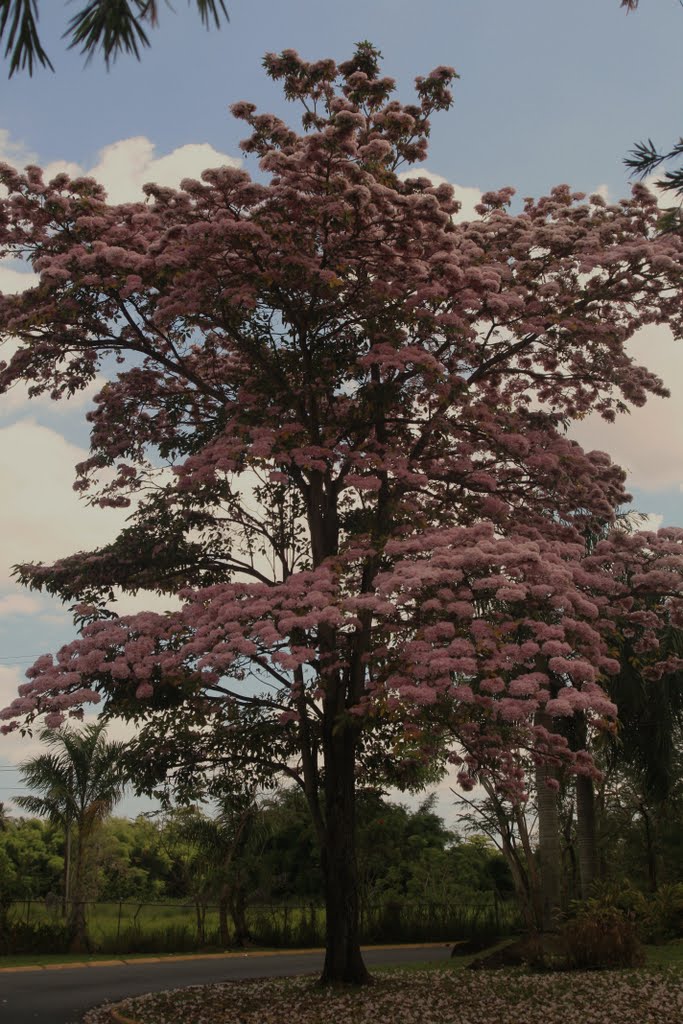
586, 834
549, 849
343, 959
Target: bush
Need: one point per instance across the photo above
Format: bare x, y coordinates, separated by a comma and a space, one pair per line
658, 916
17, 937
601, 936
172, 939
662, 917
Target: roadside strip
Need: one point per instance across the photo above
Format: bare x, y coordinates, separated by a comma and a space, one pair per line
204, 956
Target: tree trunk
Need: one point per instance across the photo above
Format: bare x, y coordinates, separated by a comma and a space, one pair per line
67, 869
549, 849
78, 928
223, 929
343, 959
522, 864
238, 912
200, 914
586, 834
531, 868
570, 867
520, 882
650, 849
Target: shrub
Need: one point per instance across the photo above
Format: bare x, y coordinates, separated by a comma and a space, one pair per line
662, 916
17, 937
600, 935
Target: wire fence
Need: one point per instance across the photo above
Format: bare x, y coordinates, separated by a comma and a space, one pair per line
180, 926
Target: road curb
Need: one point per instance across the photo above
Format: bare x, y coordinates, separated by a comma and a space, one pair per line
207, 956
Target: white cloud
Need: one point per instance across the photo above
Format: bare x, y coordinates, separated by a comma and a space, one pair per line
42, 517
125, 166
467, 196
13, 152
647, 442
18, 604
652, 521
13, 281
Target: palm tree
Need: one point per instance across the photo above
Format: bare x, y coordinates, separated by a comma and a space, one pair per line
226, 844
80, 780
650, 717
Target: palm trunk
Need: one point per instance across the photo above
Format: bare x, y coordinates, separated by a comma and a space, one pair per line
343, 959
78, 928
67, 869
549, 849
586, 833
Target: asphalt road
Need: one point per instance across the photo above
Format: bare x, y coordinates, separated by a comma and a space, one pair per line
62, 996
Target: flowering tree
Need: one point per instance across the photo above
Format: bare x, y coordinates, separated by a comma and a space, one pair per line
374, 517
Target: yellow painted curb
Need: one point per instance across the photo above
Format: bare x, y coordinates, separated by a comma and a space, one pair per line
28, 967
244, 954
64, 967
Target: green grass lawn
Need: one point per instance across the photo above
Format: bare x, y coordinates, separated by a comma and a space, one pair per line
670, 955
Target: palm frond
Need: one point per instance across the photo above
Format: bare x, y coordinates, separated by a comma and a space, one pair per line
19, 20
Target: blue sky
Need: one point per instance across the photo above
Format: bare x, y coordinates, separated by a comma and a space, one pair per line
551, 91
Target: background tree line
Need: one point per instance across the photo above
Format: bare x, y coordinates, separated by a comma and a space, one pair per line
404, 855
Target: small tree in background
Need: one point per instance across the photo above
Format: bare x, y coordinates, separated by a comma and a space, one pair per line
80, 780
229, 841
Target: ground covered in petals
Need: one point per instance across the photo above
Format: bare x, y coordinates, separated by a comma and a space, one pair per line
423, 997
